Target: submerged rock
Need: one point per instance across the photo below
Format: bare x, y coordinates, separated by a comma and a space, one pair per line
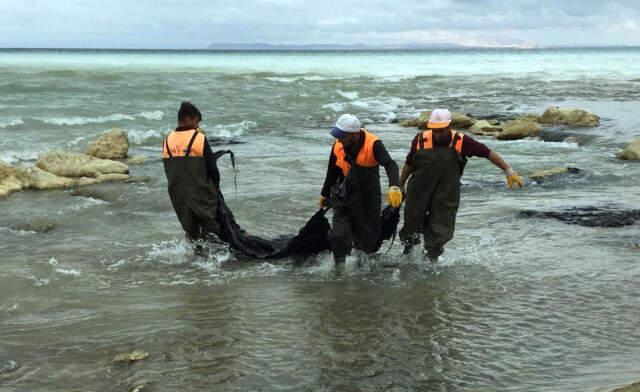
572, 117
632, 151
113, 144
133, 357
541, 175
589, 216
514, 130
69, 164
112, 177
136, 160
37, 225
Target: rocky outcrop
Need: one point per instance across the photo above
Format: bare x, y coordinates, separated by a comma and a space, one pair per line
69, 164
514, 130
542, 175
589, 216
15, 178
632, 151
458, 121
113, 144
484, 127
571, 117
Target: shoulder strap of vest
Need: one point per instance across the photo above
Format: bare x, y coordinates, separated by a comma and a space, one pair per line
420, 141
193, 139
454, 138
166, 146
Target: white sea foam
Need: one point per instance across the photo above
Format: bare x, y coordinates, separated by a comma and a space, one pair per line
335, 106
39, 282
170, 252
12, 157
76, 141
144, 137
86, 120
380, 104
291, 79
154, 115
8, 309
11, 122
68, 272
349, 94
231, 130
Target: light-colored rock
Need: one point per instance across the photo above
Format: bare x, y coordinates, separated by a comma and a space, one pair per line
134, 356
632, 151
571, 139
13, 179
635, 387
529, 117
85, 181
484, 127
68, 164
542, 175
112, 177
137, 160
9, 181
458, 121
36, 178
113, 144
493, 122
572, 117
514, 130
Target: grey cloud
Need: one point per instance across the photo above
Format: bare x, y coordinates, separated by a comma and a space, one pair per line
196, 23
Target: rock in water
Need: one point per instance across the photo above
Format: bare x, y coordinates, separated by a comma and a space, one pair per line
589, 216
133, 357
69, 164
514, 130
541, 175
113, 144
632, 151
572, 117
484, 127
458, 121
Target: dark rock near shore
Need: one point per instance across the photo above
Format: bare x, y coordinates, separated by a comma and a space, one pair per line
589, 216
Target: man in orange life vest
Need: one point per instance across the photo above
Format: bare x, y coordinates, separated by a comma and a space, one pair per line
435, 164
352, 186
192, 175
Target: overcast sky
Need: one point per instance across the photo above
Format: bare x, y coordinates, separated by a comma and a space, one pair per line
198, 23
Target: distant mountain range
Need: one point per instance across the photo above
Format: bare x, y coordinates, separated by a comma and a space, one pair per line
263, 46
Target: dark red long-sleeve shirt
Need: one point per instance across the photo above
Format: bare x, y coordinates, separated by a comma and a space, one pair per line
470, 148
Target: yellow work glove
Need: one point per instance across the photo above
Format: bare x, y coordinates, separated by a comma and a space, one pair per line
513, 179
394, 196
322, 201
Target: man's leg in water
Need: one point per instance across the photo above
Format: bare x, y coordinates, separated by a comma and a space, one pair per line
340, 235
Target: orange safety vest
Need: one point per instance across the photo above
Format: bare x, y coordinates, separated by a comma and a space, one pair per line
425, 142
365, 156
183, 143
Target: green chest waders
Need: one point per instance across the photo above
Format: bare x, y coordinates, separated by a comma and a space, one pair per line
433, 197
357, 222
192, 195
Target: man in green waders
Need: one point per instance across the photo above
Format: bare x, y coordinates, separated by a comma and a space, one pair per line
352, 186
192, 175
434, 166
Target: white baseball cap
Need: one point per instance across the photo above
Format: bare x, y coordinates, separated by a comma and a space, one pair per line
346, 124
440, 118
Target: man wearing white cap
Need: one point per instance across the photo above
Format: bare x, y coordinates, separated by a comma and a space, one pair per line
352, 185
435, 164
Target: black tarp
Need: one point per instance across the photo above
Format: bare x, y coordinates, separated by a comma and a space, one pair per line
311, 239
